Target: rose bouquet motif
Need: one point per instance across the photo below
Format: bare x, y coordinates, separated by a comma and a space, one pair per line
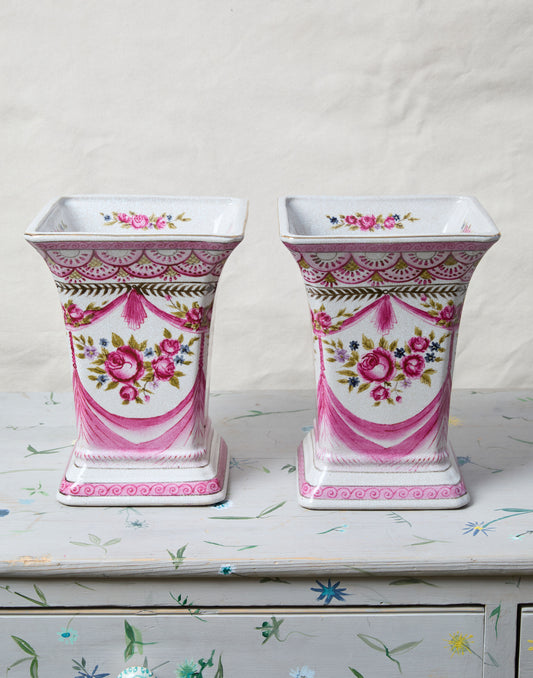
386, 370
323, 323
143, 222
135, 368
76, 317
446, 314
369, 222
195, 317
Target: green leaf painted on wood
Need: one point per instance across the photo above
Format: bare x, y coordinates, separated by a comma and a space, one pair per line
24, 646
356, 673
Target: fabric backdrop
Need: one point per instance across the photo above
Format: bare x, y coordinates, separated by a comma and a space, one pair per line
260, 99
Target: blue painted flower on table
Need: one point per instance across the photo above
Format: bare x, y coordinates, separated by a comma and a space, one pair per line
189, 669
474, 528
222, 505
68, 636
328, 592
303, 672
226, 570
4, 512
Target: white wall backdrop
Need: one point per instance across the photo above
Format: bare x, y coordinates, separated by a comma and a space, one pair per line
260, 99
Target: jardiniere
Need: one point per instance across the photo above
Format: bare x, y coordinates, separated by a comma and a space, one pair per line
136, 278
386, 278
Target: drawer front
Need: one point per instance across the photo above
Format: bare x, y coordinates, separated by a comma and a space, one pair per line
372, 643
525, 647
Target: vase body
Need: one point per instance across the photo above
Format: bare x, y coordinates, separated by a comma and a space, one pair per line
386, 278
136, 278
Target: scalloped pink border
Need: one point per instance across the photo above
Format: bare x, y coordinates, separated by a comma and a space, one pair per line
200, 487
374, 492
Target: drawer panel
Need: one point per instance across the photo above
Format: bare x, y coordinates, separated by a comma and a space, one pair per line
374, 643
525, 646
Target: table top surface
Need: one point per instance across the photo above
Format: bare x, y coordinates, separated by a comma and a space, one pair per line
260, 529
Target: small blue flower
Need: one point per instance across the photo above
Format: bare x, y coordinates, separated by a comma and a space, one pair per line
185, 348
434, 346
226, 570
102, 378
169, 217
149, 353
329, 591
4, 512
333, 220
354, 345
399, 352
107, 217
429, 357
179, 360
68, 636
476, 528
104, 342
222, 505
396, 217
463, 460
353, 381
303, 672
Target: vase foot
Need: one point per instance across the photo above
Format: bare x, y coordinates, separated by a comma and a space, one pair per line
341, 489
157, 486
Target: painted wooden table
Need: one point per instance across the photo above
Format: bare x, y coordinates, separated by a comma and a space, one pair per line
257, 585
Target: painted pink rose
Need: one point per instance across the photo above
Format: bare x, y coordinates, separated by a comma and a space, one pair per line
419, 344
377, 365
161, 223
448, 313
124, 218
170, 346
194, 315
413, 365
125, 364
128, 392
75, 312
350, 219
140, 221
380, 393
322, 319
367, 222
163, 367
390, 222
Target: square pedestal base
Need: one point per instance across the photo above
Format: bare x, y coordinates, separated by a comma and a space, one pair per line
349, 489
84, 485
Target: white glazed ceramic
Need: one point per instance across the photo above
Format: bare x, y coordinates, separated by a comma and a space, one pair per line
386, 279
136, 278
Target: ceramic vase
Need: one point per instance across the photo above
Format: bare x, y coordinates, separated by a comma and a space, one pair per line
386, 279
136, 278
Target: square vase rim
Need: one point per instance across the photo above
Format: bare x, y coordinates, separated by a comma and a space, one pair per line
287, 237
33, 235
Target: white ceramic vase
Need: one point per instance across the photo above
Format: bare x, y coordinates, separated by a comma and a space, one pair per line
136, 278
386, 278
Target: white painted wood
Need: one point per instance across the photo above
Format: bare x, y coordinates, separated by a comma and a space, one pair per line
204, 559
271, 642
525, 645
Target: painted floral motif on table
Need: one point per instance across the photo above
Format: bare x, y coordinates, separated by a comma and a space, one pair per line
370, 222
385, 371
143, 222
134, 367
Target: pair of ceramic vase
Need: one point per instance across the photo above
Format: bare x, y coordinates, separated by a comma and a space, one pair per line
386, 279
